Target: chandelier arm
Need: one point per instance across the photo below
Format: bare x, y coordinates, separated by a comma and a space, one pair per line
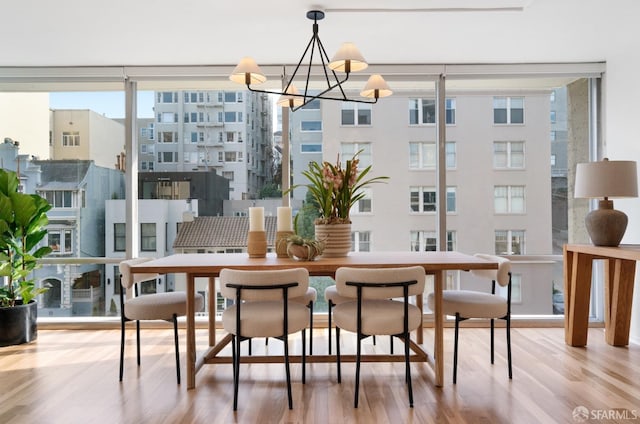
295, 71
324, 67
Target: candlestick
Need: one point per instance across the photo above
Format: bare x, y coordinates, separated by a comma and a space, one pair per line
285, 222
257, 244
281, 243
256, 219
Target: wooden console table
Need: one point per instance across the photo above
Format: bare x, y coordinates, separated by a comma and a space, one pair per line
619, 274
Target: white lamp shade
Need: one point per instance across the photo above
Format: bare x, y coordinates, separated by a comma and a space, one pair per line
348, 56
286, 100
247, 72
376, 87
606, 178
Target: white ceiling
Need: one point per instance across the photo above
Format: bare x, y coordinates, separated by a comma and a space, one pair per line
215, 33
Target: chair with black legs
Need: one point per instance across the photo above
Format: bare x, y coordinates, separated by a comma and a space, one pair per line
264, 307
468, 304
375, 310
157, 306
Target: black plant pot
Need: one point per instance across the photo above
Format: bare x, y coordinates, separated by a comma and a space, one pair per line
18, 324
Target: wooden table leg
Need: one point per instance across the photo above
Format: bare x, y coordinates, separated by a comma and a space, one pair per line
577, 292
619, 281
438, 337
191, 333
420, 330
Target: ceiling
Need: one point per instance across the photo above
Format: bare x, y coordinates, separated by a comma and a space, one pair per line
204, 38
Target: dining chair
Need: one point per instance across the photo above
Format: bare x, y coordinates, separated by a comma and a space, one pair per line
264, 307
157, 306
469, 304
375, 310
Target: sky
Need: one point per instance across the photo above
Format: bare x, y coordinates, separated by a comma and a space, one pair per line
107, 103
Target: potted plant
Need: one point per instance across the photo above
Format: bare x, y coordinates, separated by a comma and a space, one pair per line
304, 249
23, 221
336, 190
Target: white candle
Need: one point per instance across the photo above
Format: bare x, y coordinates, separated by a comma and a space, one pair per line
256, 219
285, 222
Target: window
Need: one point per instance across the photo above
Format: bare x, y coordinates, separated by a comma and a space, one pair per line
423, 111
356, 114
168, 137
425, 241
148, 237
516, 289
310, 148
167, 97
230, 136
553, 116
423, 199
310, 126
508, 199
197, 137
347, 150
361, 241
231, 97
167, 157
553, 160
363, 205
509, 242
508, 110
146, 166
59, 198
552, 136
451, 199
508, 154
60, 241
168, 117
229, 116
71, 138
312, 105
119, 237
422, 155
228, 175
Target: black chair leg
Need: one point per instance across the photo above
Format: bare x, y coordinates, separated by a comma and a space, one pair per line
122, 350
310, 306
455, 349
138, 341
175, 337
250, 353
304, 361
338, 354
509, 346
236, 383
357, 387
408, 368
286, 364
492, 341
391, 344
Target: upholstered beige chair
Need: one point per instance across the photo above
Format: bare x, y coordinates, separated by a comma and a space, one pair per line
264, 307
373, 309
467, 304
158, 306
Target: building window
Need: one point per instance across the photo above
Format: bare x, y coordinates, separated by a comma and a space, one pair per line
71, 138
306, 126
347, 150
197, 137
508, 199
450, 111
451, 199
361, 241
168, 117
516, 289
168, 137
423, 111
167, 97
508, 154
553, 116
553, 160
312, 105
148, 237
356, 114
228, 175
423, 199
60, 241
232, 97
119, 237
552, 136
422, 155
59, 198
426, 241
509, 242
310, 148
364, 204
508, 110
167, 157
230, 117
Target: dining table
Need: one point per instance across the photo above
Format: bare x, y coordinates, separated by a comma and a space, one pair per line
209, 265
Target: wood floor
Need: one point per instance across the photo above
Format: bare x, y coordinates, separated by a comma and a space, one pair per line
69, 376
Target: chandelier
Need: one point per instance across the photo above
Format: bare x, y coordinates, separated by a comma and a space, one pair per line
347, 60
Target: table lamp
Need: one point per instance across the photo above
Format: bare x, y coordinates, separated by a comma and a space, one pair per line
605, 179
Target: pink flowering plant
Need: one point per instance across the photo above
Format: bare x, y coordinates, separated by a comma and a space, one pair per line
337, 189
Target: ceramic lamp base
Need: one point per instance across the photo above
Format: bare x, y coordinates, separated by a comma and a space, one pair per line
257, 244
605, 225
281, 243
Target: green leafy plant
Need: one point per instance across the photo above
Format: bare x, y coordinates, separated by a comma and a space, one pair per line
337, 189
23, 221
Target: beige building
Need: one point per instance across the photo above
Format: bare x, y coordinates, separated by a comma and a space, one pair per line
85, 134
24, 118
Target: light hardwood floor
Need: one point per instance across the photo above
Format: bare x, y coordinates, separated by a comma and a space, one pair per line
70, 376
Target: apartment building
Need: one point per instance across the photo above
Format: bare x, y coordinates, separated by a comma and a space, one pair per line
86, 135
229, 131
